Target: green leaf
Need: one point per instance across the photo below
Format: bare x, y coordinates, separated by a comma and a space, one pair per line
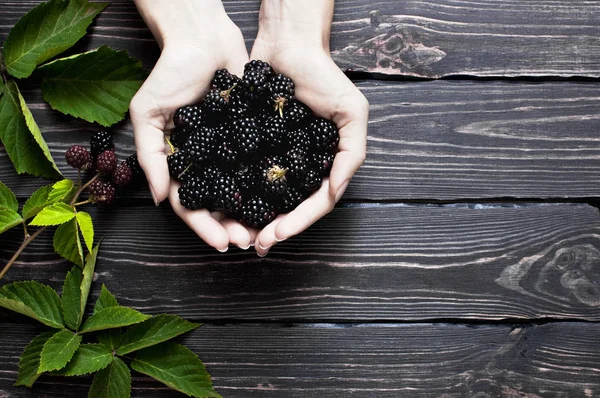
54, 214
96, 86
59, 350
60, 191
71, 299
112, 317
177, 367
105, 300
112, 382
22, 138
29, 363
67, 242
155, 330
110, 339
87, 228
34, 300
8, 198
1, 86
88, 275
37, 201
46, 31
9, 219
89, 358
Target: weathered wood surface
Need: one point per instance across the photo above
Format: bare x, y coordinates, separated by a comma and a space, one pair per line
411, 38
443, 140
360, 263
365, 360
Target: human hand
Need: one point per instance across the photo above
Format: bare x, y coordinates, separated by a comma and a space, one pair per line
296, 43
196, 39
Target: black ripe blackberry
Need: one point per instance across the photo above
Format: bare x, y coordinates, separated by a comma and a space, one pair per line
102, 192
239, 106
106, 162
297, 160
300, 138
200, 145
273, 172
228, 196
188, 116
311, 181
225, 152
77, 157
179, 136
133, 163
216, 103
179, 163
325, 133
100, 142
296, 114
281, 91
247, 177
255, 83
274, 131
257, 212
123, 175
290, 199
246, 134
223, 80
194, 193
260, 66
321, 162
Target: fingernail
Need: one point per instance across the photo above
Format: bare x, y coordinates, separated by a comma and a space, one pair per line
153, 195
341, 191
223, 250
244, 248
262, 255
279, 240
263, 247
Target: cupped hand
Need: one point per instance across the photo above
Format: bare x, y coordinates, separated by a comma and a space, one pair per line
181, 77
330, 94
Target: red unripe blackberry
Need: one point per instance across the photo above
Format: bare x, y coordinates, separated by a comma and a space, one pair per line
106, 162
325, 134
77, 157
123, 175
257, 212
102, 192
100, 142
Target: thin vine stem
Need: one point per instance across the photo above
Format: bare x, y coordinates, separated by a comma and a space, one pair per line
26, 242
80, 190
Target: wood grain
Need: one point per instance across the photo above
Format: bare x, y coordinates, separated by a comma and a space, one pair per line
364, 263
365, 360
443, 140
412, 38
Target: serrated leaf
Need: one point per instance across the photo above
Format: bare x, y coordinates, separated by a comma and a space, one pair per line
156, 330
71, 299
110, 339
22, 138
177, 367
7, 198
59, 350
9, 219
88, 275
1, 86
67, 242
34, 300
86, 226
111, 318
96, 86
89, 358
46, 31
112, 382
37, 201
60, 191
105, 300
54, 214
29, 362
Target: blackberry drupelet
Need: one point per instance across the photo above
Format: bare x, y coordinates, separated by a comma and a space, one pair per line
179, 163
78, 157
200, 145
325, 133
188, 116
257, 212
100, 142
247, 137
106, 162
194, 193
223, 80
123, 175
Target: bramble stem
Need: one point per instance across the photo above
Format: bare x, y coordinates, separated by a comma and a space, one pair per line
80, 190
85, 202
25, 230
26, 242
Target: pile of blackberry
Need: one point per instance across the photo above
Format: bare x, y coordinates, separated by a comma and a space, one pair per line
249, 148
101, 158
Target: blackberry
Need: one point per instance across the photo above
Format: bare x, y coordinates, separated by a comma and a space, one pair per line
325, 133
225, 152
77, 157
246, 176
102, 192
260, 66
290, 199
106, 162
297, 162
311, 181
321, 162
100, 142
300, 138
179, 136
223, 80
194, 194
123, 175
257, 212
179, 163
296, 114
228, 196
188, 116
281, 91
201, 145
247, 139
255, 83
133, 163
274, 131
239, 106
272, 173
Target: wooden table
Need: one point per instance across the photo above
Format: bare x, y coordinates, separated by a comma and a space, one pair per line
464, 260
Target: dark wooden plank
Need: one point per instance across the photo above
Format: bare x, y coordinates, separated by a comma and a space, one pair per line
360, 263
412, 38
434, 140
366, 360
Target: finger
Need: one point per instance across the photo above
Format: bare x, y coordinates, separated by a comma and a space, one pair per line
306, 214
238, 57
201, 222
238, 234
266, 238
